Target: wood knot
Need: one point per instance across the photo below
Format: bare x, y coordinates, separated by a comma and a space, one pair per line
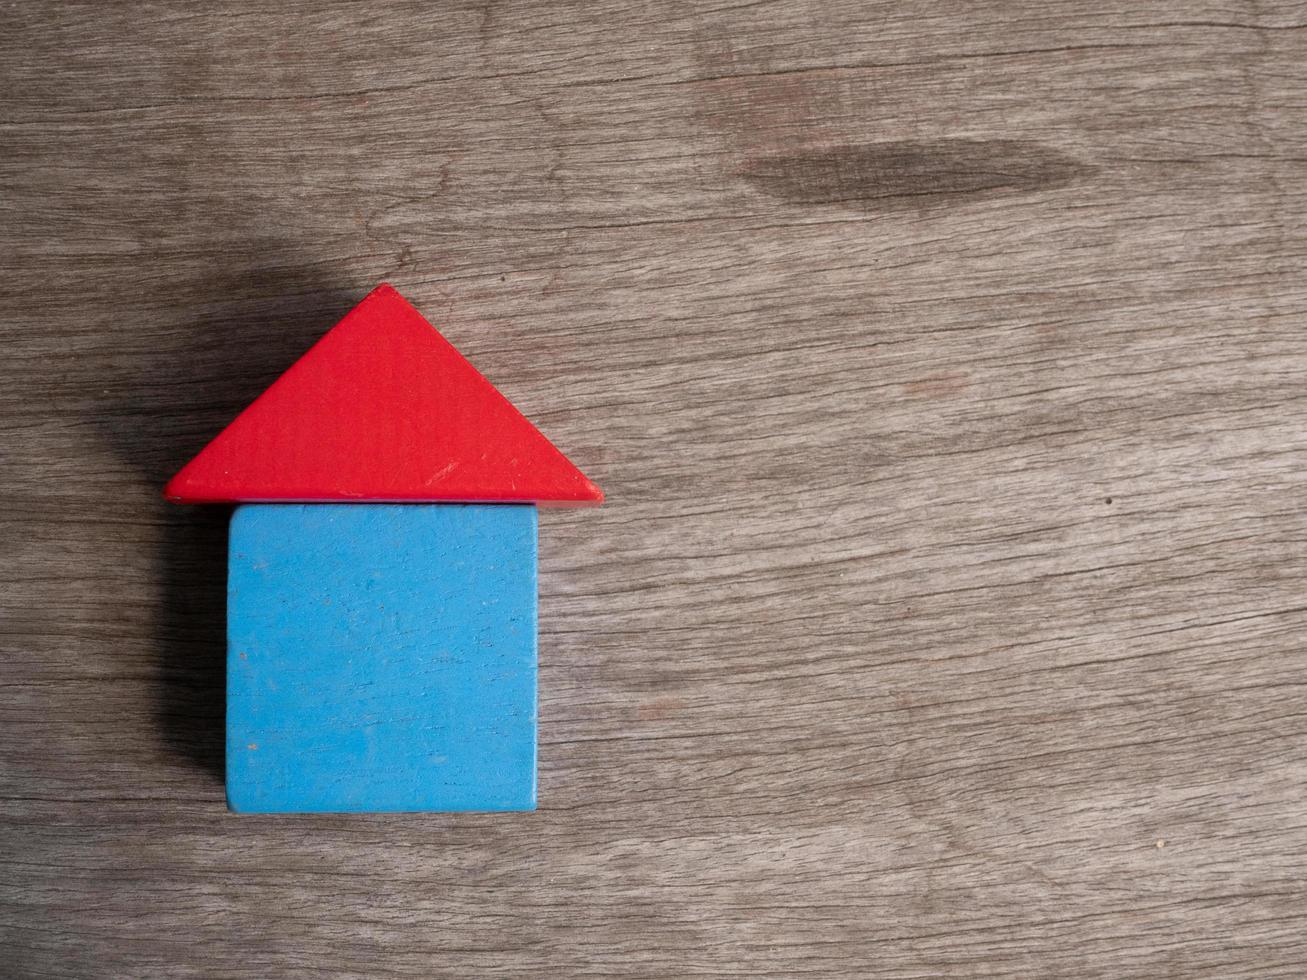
909, 174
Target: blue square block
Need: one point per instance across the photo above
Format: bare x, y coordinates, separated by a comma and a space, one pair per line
381, 657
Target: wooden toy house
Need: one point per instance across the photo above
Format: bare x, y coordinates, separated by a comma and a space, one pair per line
382, 576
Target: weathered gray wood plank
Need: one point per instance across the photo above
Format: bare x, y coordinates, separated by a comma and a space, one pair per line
944, 365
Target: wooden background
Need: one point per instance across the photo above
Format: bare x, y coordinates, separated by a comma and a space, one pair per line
944, 365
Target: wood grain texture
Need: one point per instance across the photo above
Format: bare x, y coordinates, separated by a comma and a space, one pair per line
944, 366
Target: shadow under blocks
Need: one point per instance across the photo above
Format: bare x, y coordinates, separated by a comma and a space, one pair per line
193, 697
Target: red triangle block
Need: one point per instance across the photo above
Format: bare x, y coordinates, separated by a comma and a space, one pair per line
382, 408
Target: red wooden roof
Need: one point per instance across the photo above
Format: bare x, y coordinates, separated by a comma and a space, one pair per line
382, 408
